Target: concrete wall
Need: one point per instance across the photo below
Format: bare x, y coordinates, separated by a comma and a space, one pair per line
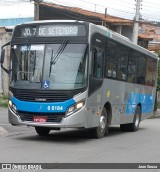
127, 32
4, 78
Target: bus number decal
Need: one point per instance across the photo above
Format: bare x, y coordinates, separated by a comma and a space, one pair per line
57, 108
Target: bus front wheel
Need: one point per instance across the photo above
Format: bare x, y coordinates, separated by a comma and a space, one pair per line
102, 129
42, 131
136, 121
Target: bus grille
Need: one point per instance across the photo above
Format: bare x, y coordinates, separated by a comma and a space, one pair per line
51, 117
41, 96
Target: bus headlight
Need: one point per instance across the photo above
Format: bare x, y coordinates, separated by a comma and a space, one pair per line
12, 106
75, 108
79, 105
10, 103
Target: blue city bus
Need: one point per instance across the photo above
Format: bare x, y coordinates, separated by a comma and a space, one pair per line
74, 74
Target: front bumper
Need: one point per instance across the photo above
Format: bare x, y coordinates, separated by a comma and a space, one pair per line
76, 120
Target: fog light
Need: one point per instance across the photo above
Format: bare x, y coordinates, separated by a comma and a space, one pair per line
14, 107
71, 109
10, 103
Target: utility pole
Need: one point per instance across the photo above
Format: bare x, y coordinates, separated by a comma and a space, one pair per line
36, 8
95, 7
136, 22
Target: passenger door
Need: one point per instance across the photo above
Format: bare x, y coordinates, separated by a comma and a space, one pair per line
97, 70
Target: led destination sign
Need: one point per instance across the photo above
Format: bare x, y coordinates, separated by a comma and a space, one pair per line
53, 31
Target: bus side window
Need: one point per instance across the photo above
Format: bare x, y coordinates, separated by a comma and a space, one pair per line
98, 63
111, 59
132, 66
122, 62
141, 69
150, 72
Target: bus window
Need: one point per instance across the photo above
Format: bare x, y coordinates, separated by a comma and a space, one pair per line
28, 61
154, 72
132, 67
122, 62
141, 69
150, 72
111, 59
98, 63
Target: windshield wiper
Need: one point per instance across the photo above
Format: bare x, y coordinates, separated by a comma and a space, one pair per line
57, 54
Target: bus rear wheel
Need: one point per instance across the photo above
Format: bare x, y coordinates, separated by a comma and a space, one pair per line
42, 131
102, 129
136, 121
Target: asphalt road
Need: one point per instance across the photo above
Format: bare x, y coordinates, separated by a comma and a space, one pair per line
23, 145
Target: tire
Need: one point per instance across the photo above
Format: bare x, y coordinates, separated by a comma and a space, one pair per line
136, 121
102, 129
42, 131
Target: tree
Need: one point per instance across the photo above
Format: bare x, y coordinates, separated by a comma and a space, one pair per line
158, 77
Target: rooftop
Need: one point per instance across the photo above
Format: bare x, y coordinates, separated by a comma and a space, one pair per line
94, 15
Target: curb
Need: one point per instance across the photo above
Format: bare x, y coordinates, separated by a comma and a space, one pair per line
3, 132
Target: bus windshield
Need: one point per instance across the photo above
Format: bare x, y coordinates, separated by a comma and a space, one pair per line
49, 66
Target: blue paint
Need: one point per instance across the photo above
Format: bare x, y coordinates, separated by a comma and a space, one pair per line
42, 107
15, 21
146, 100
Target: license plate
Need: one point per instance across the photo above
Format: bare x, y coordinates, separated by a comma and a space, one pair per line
40, 119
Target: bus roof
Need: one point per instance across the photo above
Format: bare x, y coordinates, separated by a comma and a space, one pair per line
53, 21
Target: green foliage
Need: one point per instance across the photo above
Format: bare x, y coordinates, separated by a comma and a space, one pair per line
4, 101
156, 103
158, 78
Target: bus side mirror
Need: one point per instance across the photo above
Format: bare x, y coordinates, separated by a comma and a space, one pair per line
2, 56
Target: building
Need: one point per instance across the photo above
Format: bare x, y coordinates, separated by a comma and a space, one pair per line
14, 21
48, 11
5, 36
154, 32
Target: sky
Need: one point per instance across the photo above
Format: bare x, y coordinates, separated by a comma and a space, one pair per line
121, 8
15, 9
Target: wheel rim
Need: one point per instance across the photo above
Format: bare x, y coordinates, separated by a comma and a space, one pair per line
137, 120
102, 126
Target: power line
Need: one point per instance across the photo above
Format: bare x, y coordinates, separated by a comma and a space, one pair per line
127, 2
97, 5
13, 3
149, 8
150, 3
121, 12
152, 17
103, 5
108, 6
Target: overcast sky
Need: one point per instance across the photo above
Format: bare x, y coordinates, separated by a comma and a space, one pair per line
150, 9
